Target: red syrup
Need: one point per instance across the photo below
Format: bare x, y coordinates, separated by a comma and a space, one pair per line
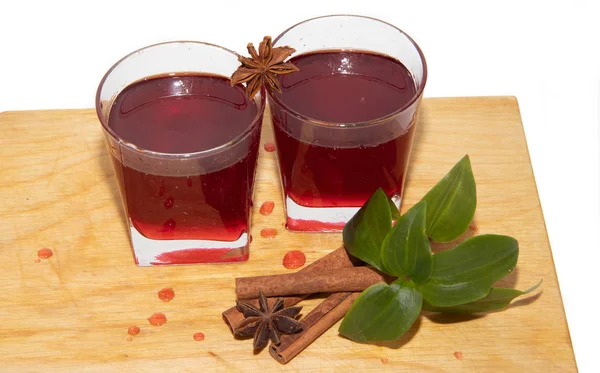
267, 208
294, 259
187, 114
166, 294
269, 147
45, 253
342, 167
157, 319
133, 330
199, 336
269, 233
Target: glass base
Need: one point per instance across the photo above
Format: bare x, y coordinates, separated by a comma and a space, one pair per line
149, 252
320, 219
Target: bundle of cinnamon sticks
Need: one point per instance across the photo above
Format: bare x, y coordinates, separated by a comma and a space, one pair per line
337, 273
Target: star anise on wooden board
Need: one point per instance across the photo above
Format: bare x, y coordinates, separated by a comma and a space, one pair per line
263, 66
264, 323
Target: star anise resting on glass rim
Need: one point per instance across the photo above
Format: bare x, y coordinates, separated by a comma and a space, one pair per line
265, 323
263, 66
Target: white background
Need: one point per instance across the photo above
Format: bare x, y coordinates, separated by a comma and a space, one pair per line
546, 53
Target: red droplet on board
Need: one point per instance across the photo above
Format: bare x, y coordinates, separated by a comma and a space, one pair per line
269, 147
157, 319
268, 233
133, 330
267, 207
199, 336
458, 355
37, 260
294, 259
166, 294
384, 360
44, 253
129, 339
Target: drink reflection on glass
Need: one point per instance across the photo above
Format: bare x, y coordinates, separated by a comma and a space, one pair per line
344, 124
184, 146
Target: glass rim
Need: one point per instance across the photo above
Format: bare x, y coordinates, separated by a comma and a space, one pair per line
206, 152
418, 93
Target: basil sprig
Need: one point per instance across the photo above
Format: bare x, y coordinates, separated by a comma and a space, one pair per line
456, 280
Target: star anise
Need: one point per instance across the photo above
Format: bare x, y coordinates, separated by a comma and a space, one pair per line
262, 67
265, 323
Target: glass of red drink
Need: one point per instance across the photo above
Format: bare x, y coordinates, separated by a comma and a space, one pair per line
184, 146
344, 123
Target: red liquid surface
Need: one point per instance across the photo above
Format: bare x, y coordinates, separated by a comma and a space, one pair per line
344, 87
181, 114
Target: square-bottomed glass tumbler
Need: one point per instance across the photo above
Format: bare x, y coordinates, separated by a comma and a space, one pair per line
184, 147
344, 123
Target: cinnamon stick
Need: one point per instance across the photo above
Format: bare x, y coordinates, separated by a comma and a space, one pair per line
324, 316
331, 281
338, 258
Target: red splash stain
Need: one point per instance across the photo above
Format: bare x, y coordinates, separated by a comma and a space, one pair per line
269, 233
212, 354
458, 355
37, 260
198, 336
249, 239
384, 360
157, 319
294, 259
129, 339
166, 294
473, 227
269, 147
133, 330
267, 208
193, 256
44, 253
300, 225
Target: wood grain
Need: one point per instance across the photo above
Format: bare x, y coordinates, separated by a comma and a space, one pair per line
71, 312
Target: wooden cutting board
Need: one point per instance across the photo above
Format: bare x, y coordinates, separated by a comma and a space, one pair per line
71, 312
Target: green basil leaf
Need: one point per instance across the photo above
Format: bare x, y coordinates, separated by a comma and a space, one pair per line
406, 250
381, 313
497, 299
365, 232
465, 273
451, 203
